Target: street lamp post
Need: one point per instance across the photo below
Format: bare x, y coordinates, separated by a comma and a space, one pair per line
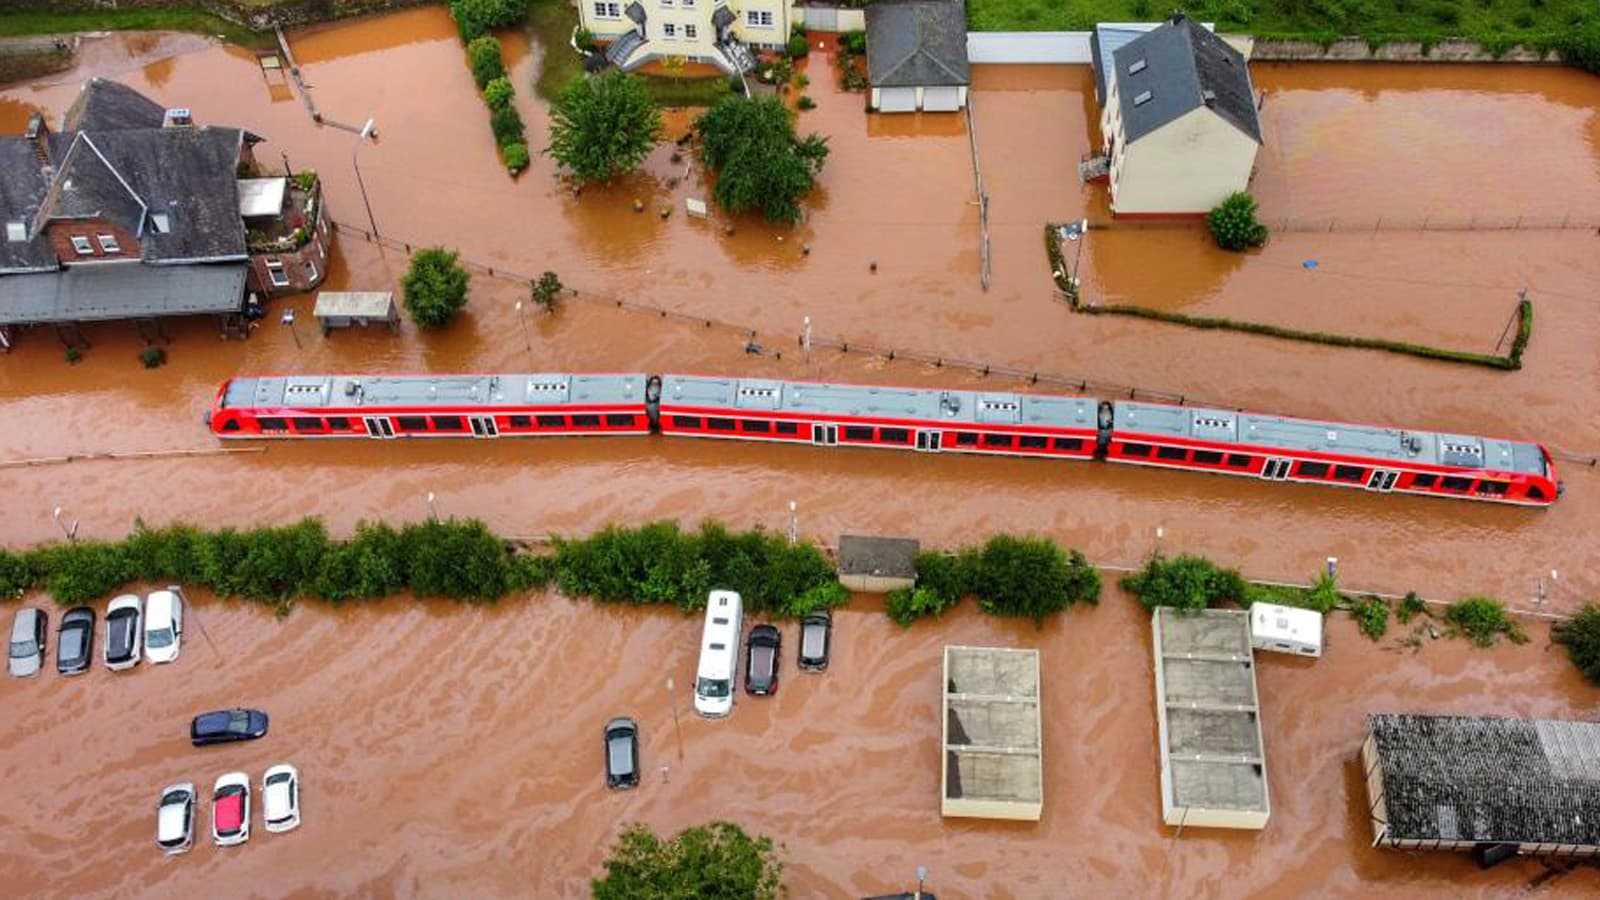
71, 533
1078, 232
794, 523
922, 875
672, 691
433, 508
288, 322
367, 131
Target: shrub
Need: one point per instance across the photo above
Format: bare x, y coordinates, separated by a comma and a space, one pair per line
948, 576
1482, 620
854, 41
1033, 577
507, 126
906, 605
477, 18
152, 357
603, 127
1581, 636
74, 355
1186, 583
585, 40
716, 860
461, 560
81, 571
1322, 596
805, 102
1410, 605
498, 93
515, 156
802, 80
1233, 223
759, 160
799, 47
369, 566
483, 57
546, 292
435, 289
1372, 616
17, 575
529, 571
1580, 46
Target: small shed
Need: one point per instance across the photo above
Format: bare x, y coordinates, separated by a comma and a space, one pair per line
877, 565
341, 309
993, 766
917, 55
1286, 629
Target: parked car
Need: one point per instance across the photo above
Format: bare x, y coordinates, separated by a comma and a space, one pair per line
26, 657
280, 798
816, 637
761, 664
622, 753
230, 809
75, 641
163, 625
123, 635
225, 726
175, 818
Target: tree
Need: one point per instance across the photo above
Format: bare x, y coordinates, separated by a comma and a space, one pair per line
547, 291
436, 287
1233, 223
603, 127
716, 860
1033, 577
483, 57
1581, 636
477, 18
1581, 47
760, 162
1186, 583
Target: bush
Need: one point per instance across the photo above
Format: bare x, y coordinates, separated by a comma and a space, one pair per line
949, 577
1581, 636
460, 560
1186, 583
498, 94
152, 357
546, 292
515, 156
1482, 620
369, 566
1580, 47
799, 47
82, 571
17, 575
854, 41
483, 57
1372, 616
585, 40
1323, 595
435, 289
507, 126
603, 127
805, 102
716, 860
906, 605
802, 80
1033, 577
759, 160
1233, 223
1410, 605
476, 18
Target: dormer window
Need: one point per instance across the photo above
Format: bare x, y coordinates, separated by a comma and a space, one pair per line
16, 232
108, 243
81, 245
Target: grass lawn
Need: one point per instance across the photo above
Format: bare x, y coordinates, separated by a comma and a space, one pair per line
686, 91
1494, 23
171, 18
551, 22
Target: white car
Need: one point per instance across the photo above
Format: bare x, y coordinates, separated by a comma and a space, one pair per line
280, 798
230, 809
124, 637
175, 818
163, 625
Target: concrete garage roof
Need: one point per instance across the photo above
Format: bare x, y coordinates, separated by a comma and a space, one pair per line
992, 745
917, 43
108, 291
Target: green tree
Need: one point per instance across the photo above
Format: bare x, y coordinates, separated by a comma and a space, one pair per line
760, 162
603, 127
1581, 636
1234, 225
716, 860
546, 292
436, 287
1185, 583
1581, 47
477, 18
483, 57
1033, 577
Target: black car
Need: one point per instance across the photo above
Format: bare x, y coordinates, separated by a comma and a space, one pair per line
816, 637
761, 664
75, 643
227, 725
622, 753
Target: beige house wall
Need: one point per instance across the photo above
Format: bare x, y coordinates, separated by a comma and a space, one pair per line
1188, 165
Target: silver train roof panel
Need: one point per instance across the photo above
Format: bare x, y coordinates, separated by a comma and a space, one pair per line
359, 391
1367, 441
849, 400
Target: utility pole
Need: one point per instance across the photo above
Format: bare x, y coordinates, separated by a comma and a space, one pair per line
794, 524
288, 322
672, 692
367, 131
72, 533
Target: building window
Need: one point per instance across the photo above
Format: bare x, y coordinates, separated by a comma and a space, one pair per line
669, 31
1137, 67
16, 232
276, 274
311, 270
81, 245
1142, 98
687, 4
758, 18
160, 223
108, 243
666, 4
690, 32
608, 11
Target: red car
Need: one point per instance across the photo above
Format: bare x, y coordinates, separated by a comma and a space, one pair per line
230, 810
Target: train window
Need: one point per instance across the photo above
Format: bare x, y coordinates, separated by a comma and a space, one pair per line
522, 421
618, 420
1493, 488
447, 423
270, 423
411, 423
720, 424
1453, 483
306, 423
552, 421
894, 435
231, 425
758, 426
997, 440
338, 423
1135, 449
1172, 453
1032, 442
1349, 473
585, 421
788, 427
966, 439
685, 421
1424, 480
1239, 460
857, 433
1068, 444
1311, 470
1208, 457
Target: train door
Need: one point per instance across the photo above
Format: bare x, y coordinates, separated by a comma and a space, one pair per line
824, 435
1276, 469
379, 426
928, 441
483, 426
1382, 480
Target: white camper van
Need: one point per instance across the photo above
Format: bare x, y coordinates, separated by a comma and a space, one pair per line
719, 655
1286, 629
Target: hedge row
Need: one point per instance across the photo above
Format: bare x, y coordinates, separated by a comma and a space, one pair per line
1010, 576
489, 71
455, 559
1511, 361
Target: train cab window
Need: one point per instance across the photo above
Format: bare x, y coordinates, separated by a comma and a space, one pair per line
997, 440
552, 421
857, 433
1453, 483
411, 423
1424, 480
272, 423
447, 423
1032, 442
1135, 449
338, 423
522, 421
1172, 453
720, 424
1239, 460
685, 421
231, 425
618, 420
788, 427
1349, 473
1208, 457
1067, 444
1493, 488
306, 423
894, 435
966, 438
758, 426
1311, 470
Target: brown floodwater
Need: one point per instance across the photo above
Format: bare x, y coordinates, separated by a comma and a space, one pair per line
897, 191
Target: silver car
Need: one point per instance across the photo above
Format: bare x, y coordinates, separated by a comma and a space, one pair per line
27, 642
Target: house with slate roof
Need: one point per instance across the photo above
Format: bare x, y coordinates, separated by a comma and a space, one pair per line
917, 55
133, 212
1180, 125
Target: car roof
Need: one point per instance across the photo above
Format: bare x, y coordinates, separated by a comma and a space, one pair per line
217, 718
170, 821
158, 610
229, 809
275, 798
22, 626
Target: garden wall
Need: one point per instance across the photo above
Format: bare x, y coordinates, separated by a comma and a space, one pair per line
1028, 47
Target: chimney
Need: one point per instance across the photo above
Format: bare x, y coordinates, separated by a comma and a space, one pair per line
1209, 96
177, 117
39, 134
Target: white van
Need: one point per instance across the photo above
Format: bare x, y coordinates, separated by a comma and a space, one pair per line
719, 654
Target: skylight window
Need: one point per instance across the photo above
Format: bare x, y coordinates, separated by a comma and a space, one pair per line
160, 223
1137, 67
1142, 98
16, 232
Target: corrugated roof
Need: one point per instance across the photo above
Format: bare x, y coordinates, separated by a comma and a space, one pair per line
1184, 67
124, 290
917, 43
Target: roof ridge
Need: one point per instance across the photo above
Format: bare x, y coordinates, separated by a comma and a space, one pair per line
144, 208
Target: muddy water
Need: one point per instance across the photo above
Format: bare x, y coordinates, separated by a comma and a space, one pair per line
450, 751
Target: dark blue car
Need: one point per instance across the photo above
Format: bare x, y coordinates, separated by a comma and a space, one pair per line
226, 726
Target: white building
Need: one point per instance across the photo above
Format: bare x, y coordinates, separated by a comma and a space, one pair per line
917, 55
719, 32
1180, 123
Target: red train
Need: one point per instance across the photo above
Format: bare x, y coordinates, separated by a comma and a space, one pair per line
1272, 448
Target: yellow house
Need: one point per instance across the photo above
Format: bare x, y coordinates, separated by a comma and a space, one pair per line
719, 32
1180, 123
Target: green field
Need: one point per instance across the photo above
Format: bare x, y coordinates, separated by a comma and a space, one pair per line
1498, 24
169, 18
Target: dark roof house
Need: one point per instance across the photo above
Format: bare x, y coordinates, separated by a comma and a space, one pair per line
1183, 67
917, 44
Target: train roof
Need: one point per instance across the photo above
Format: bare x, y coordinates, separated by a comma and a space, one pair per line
973, 407
344, 391
1368, 441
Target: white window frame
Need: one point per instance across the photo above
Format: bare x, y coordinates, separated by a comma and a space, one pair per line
758, 18
605, 10
16, 231
277, 274
81, 245
690, 32
108, 243
669, 31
